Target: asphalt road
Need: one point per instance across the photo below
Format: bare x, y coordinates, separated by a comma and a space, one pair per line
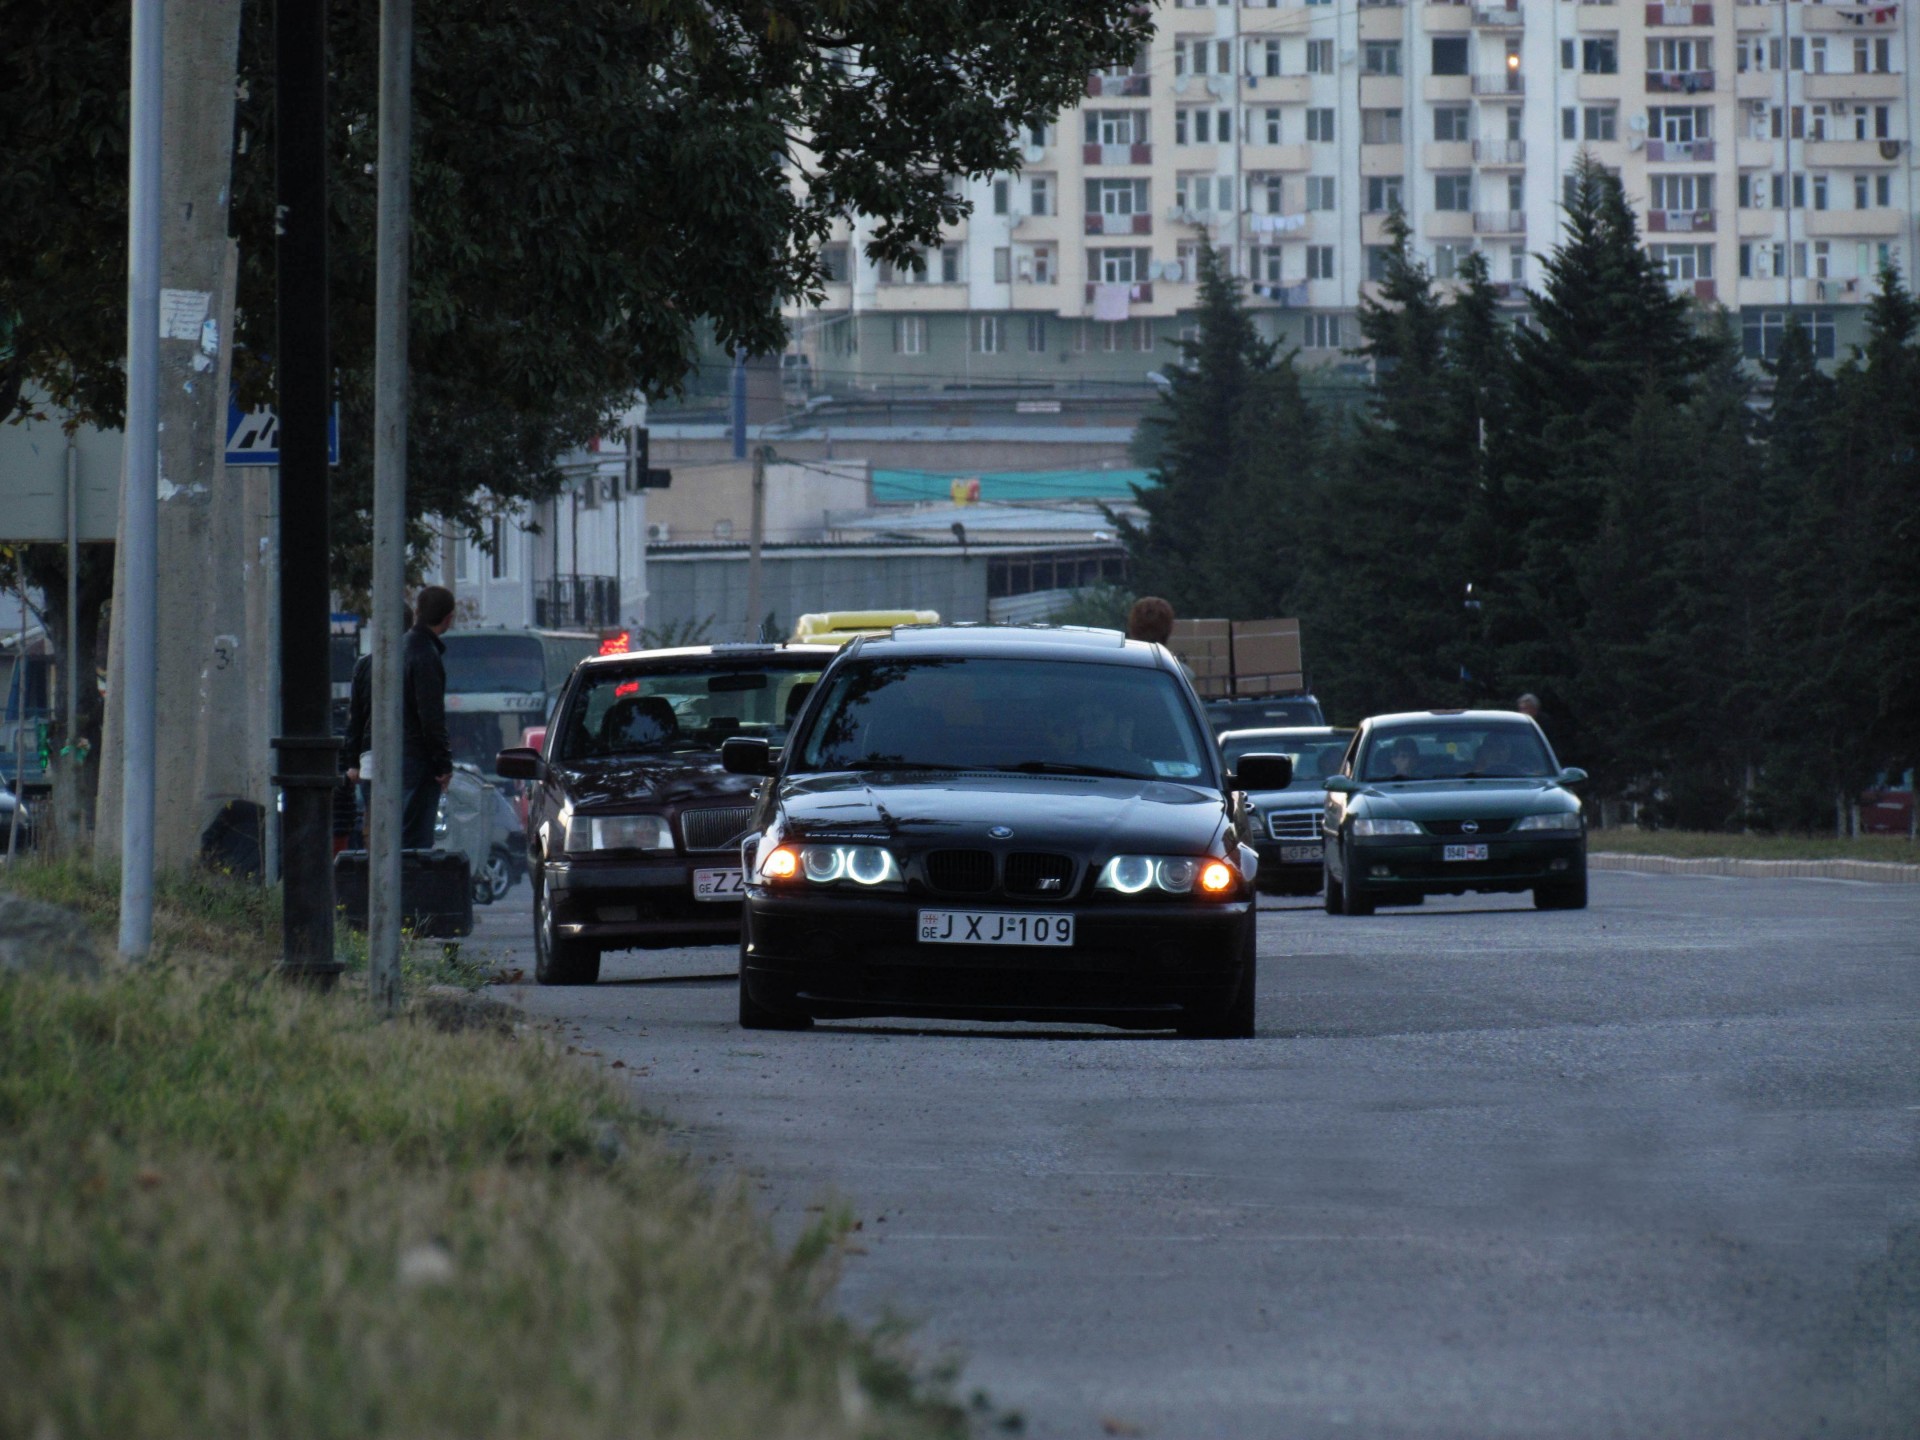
1645, 1170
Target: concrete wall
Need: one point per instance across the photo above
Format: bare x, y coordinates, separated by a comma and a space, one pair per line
714, 501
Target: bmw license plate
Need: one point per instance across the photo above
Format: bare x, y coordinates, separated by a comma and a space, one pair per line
717, 885
1465, 852
993, 927
1300, 854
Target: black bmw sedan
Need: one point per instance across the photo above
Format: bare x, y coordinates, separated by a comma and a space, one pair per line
633, 827
1001, 823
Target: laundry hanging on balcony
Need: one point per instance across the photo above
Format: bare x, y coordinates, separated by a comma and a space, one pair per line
1110, 301
1278, 224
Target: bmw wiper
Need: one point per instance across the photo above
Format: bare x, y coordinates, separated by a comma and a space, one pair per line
1061, 767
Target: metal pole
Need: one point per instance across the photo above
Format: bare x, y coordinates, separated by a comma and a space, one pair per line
756, 533
142, 480
274, 824
308, 751
389, 498
70, 697
739, 403
19, 688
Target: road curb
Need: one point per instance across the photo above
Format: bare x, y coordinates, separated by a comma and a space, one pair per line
1876, 871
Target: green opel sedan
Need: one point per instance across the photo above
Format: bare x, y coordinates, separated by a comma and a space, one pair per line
1443, 802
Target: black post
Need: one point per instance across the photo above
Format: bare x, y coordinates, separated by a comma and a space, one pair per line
307, 747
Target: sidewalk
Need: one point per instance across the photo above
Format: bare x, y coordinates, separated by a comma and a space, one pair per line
1876, 871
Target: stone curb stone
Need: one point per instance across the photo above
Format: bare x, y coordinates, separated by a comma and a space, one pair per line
1876, 871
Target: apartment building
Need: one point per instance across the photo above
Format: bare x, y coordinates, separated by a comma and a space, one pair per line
1766, 144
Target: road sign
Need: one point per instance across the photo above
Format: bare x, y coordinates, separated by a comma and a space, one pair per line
253, 436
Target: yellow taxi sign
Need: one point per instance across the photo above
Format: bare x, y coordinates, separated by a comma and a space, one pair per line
836, 627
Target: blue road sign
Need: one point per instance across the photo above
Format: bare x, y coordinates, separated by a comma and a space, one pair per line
253, 436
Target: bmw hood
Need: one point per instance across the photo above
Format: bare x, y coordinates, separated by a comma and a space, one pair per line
1073, 813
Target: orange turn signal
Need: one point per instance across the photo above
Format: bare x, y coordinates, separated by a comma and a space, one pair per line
1216, 877
782, 864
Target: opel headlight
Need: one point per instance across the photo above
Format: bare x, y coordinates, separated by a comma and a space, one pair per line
618, 832
1559, 820
1386, 827
1169, 874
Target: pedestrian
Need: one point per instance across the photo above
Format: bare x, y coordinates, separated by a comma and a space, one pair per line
1529, 706
1150, 619
356, 747
426, 763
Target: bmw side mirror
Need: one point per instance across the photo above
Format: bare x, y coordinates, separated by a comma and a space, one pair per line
1341, 784
1263, 772
746, 755
519, 763
1572, 775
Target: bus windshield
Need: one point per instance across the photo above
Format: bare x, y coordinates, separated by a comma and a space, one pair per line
493, 664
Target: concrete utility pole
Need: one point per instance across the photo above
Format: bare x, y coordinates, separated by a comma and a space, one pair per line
197, 707
306, 747
134, 587
756, 533
389, 496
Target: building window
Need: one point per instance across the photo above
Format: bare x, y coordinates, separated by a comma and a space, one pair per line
1002, 196
1040, 194
1272, 57
950, 265
1320, 125
989, 334
833, 264
1447, 258
1384, 193
1600, 56
1380, 57
1033, 265
1117, 197
1451, 122
1319, 262
1820, 192
1116, 127
1449, 54
1685, 263
1320, 192
1377, 258
1517, 264
1680, 124
1682, 192
1320, 57
1323, 332
1599, 122
1003, 264
1761, 332
1274, 187
1685, 56
1117, 266
1266, 264
1271, 117
1380, 127
909, 334
1036, 334
1453, 192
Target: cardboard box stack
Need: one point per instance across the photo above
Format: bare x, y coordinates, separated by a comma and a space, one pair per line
1240, 657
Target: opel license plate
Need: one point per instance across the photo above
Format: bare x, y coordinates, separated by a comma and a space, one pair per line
1465, 852
716, 885
993, 927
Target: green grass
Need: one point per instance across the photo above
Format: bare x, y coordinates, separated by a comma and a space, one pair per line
1691, 844
229, 1206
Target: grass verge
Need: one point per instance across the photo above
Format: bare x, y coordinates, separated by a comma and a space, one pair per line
1698, 844
232, 1207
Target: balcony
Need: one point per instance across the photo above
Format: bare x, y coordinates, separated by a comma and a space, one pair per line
1108, 87
1499, 17
1680, 152
1856, 85
1500, 152
1383, 160
1278, 89
1444, 17
1852, 154
1116, 154
1275, 157
1854, 19
1446, 154
1679, 15
1678, 222
1446, 87
1382, 92
1680, 82
1705, 290
1449, 225
1499, 222
1103, 224
1140, 293
576, 601
1880, 224
1849, 291
1501, 82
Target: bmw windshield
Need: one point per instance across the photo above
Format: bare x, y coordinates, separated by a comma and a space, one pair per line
1031, 716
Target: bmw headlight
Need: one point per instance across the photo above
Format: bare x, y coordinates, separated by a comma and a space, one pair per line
1386, 827
1559, 820
1169, 874
871, 867
618, 832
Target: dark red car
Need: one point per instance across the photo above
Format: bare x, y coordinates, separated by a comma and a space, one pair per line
633, 827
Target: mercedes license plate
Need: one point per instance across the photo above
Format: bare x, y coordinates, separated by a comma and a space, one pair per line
1465, 852
993, 927
1300, 854
717, 885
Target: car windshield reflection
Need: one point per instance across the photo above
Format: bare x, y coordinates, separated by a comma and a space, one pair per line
1456, 752
1032, 716
622, 712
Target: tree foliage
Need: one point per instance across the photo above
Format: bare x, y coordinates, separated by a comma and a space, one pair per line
1706, 574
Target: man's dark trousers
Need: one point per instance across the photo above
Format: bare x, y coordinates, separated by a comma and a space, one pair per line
420, 805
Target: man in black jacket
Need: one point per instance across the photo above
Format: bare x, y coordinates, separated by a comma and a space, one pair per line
359, 737
427, 760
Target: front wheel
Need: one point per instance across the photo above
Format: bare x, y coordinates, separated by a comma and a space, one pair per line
1356, 900
1335, 895
497, 873
1235, 1019
559, 959
755, 1016
1567, 895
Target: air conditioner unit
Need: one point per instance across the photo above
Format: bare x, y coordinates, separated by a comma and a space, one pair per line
1757, 107
659, 532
